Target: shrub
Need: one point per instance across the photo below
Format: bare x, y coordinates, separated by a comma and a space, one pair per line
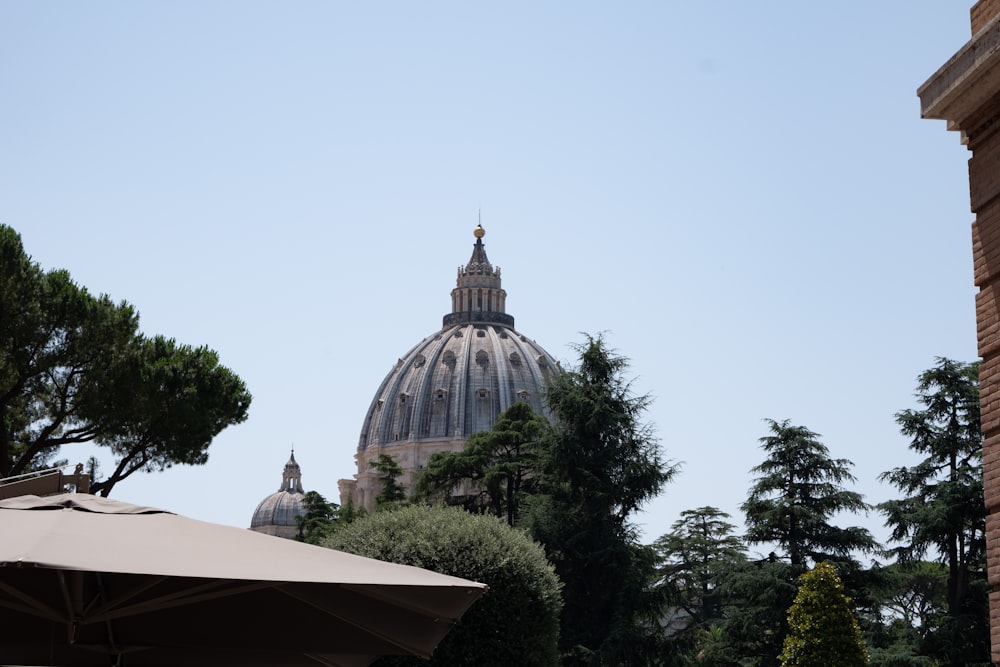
822, 629
516, 622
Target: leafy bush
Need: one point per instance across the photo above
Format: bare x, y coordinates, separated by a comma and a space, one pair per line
822, 629
515, 623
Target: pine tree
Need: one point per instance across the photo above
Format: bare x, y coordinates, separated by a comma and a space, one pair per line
494, 470
600, 465
319, 519
792, 504
943, 513
697, 551
798, 492
392, 493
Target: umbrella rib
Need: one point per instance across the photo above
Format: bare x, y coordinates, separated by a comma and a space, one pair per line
371, 592
108, 606
321, 660
208, 591
29, 605
367, 628
328, 661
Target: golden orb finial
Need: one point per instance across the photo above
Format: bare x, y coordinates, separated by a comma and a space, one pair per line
479, 232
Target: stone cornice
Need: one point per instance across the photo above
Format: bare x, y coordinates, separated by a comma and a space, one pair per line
966, 82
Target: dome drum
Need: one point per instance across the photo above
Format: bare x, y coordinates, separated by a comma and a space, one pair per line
466, 316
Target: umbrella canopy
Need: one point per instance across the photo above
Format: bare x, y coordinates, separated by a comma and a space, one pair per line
90, 581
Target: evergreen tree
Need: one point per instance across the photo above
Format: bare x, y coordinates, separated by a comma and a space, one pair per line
694, 555
822, 628
798, 491
75, 369
602, 463
943, 512
796, 495
910, 601
319, 520
392, 492
494, 470
758, 595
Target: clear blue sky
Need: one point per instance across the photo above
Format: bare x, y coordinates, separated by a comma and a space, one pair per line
742, 195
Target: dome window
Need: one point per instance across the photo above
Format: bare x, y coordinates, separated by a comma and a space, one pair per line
523, 395
515, 359
419, 361
403, 396
480, 333
482, 358
449, 358
440, 394
483, 392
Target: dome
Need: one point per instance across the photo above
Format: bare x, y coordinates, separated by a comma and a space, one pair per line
275, 515
455, 383
452, 384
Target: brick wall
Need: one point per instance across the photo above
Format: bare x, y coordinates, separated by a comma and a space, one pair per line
982, 13
983, 134
966, 93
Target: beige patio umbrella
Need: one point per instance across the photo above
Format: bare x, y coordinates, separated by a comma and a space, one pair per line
87, 581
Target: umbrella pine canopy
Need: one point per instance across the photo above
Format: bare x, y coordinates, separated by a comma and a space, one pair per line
89, 581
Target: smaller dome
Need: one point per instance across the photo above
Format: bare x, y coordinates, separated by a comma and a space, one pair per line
278, 510
275, 515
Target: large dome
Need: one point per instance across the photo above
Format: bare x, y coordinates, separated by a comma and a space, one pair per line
452, 384
455, 383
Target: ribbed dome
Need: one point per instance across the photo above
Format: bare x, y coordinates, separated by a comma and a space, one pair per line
278, 509
275, 515
454, 383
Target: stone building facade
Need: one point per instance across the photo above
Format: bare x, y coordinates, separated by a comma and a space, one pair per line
965, 92
452, 384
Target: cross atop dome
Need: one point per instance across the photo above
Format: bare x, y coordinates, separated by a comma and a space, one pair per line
479, 263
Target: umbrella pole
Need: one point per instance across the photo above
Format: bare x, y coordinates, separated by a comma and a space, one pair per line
72, 593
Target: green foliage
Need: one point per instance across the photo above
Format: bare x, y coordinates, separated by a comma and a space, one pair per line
392, 493
798, 491
711, 649
74, 369
600, 465
494, 470
164, 404
942, 512
320, 519
516, 621
822, 629
757, 596
911, 599
603, 455
694, 556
